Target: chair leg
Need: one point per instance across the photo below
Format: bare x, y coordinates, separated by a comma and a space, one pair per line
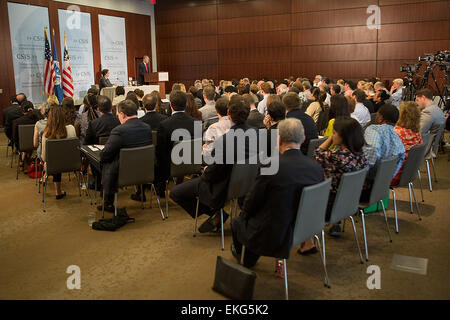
410, 198
167, 199
286, 279
115, 203
420, 182
429, 175
95, 190
322, 255
85, 181
196, 218
364, 234
356, 238
221, 224
17, 171
69, 176
35, 170
44, 195
434, 169
158, 201
142, 196
242, 255
385, 219
78, 182
395, 210
103, 205
415, 200
235, 207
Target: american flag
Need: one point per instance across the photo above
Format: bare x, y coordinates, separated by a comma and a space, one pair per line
49, 71
67, 80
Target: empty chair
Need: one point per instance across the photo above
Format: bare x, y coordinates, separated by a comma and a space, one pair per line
409, 174
346, 203
102, 140
26, 134
241, 180
380, 188
313, 145
190, 164
62, 155
136, 167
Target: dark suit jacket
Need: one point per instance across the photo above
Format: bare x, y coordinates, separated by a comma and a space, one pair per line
104, 83
133, 133
142, 71
267, 222
255, 119
214, 180
100, 127
30, 118
153, 119
308, 124
10, 114
165, 143
369, 105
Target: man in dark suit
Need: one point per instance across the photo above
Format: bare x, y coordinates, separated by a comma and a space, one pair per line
144, 68
292, 102
28, 117
102, 126
151, 117
104, 80
13, 112
255, 118
131, 133
266, 224
178, 120
211, 186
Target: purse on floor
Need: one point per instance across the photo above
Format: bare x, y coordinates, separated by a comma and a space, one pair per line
233, 280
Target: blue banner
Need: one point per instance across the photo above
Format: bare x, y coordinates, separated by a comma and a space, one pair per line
26, 25
77, 26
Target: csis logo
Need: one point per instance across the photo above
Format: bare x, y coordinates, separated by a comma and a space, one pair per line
24, 56
35, 38
109, 58
81, 41
119, 73
117, 43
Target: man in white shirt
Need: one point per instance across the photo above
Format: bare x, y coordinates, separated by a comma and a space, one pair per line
265, 92
361, 113
397, 92
317, 81
218, 129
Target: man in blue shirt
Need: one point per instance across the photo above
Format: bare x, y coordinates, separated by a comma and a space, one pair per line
382, 141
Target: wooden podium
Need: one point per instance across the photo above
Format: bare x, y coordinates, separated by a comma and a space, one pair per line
158, 78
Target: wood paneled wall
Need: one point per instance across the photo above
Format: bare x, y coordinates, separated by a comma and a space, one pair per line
137, 32
220, 39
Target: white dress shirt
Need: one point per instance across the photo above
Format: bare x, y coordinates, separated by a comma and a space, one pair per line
361, 114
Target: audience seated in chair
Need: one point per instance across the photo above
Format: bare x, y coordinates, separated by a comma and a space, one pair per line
218, 129
211, 186
266, 224
131, 133
408, 130
432, 116
152, 117
292, 102
57, 129
347, 156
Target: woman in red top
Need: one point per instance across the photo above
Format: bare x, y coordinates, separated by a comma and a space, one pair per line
408, 129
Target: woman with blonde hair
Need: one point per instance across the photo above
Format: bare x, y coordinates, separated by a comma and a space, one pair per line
408, 129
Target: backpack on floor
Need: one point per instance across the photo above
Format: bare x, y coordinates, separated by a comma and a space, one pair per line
114, 223
35, 169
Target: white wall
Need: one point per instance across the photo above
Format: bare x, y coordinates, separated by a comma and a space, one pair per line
133, 6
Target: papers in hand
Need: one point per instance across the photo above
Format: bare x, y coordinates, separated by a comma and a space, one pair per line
96, 147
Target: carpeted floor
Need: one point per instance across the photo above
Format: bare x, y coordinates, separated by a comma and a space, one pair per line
155, 259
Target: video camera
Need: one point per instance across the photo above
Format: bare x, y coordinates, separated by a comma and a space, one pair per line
411, 67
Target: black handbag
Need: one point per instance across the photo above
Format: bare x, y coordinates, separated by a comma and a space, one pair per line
233, 280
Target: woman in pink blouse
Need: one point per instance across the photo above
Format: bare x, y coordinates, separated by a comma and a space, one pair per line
408, 129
